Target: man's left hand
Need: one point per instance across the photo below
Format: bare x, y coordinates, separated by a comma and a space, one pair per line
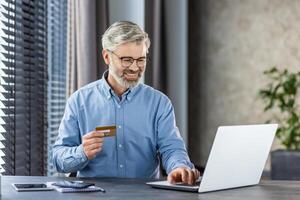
183, 174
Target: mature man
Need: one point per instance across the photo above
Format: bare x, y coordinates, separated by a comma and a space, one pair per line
144, 118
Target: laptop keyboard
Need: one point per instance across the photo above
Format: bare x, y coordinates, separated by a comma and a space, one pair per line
185, 184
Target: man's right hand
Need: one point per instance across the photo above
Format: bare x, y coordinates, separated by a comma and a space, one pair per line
92, 143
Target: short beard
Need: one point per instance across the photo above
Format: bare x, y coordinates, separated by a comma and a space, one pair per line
121, 80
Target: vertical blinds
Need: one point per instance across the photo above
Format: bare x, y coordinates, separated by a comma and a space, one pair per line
23, 88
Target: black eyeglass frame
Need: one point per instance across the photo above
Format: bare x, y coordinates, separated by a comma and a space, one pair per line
131, 60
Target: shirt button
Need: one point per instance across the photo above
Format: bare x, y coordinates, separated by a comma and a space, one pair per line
120, 145
120, 126
119, 106
121, 166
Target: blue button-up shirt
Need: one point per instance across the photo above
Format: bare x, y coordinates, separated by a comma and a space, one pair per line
146, 128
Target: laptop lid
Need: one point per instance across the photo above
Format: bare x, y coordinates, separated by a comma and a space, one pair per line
238, 156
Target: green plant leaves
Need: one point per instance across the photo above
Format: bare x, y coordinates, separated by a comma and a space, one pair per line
281, 93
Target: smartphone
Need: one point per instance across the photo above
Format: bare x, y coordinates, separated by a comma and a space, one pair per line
22, 187
72, 184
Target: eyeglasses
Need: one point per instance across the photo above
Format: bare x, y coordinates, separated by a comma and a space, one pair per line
128, 61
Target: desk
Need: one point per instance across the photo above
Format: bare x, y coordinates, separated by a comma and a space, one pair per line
136, 189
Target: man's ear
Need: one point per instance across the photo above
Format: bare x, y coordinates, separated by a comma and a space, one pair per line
105, 56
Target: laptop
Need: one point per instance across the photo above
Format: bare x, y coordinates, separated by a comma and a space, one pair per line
237, 159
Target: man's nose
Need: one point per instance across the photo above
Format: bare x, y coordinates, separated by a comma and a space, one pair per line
134, 66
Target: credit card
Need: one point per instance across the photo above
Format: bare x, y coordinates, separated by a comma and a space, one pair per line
108, 131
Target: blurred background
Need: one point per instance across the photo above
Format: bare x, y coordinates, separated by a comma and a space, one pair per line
208, 56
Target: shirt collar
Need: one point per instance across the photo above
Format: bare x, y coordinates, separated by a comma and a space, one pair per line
106, 87
108, 91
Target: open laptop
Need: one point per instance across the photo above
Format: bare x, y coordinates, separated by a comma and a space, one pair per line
237, 158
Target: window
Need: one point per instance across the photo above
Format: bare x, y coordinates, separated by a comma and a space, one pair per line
57, 48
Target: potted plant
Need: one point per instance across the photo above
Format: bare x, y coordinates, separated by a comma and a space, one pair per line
281, 96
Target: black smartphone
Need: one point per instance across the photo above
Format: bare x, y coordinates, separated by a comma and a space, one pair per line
20, 187
73, 184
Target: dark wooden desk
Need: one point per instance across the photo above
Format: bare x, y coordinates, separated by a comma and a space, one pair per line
136, 189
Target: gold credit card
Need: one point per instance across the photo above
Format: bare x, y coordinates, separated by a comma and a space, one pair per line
108, 131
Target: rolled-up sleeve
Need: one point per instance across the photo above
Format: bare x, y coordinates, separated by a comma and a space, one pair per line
68, 155
170, 143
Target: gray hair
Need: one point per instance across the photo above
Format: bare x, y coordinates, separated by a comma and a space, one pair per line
123, 32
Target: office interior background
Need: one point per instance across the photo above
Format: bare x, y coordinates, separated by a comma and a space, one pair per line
208, 56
